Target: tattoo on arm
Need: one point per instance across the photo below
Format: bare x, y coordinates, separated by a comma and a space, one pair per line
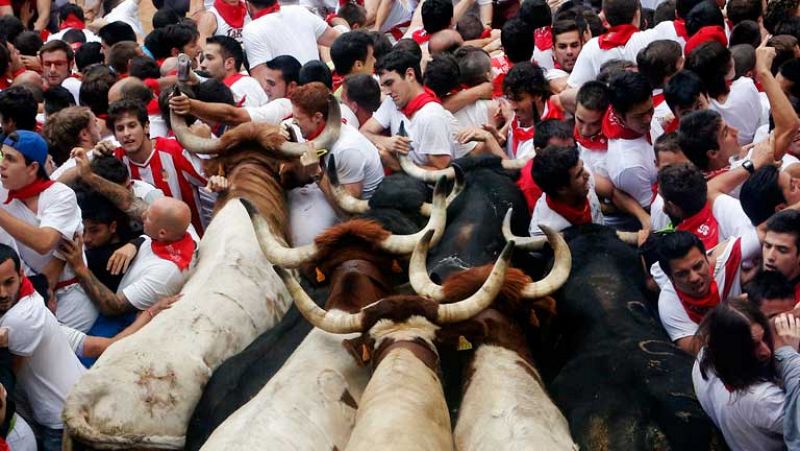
120, 196
106, 300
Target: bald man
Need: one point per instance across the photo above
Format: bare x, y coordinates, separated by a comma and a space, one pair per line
159, 269
447, 40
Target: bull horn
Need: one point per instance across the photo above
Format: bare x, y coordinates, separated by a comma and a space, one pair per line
335, 321
522, 242
274, 250
404, 244
426, 175
517, 164
481, 299
458, 187
325, 139
418, 272
562, 265
189, 140
343, 198
631, 238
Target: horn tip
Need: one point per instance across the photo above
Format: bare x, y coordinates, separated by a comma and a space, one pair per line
251, 209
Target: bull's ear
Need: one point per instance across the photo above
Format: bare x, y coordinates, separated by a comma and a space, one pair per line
360, 348
453, 335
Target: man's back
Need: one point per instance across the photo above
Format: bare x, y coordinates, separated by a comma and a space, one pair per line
292, 30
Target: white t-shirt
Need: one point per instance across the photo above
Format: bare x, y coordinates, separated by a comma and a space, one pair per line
432, 130
399, 15
750, 419
631, 166
592, 57
555, 74
51, 368
595, 160
57, 209
150, 278
293, 30
248, 92
158, 126
90, 37
475, 114
543, 58
73, 85
75, 338
543, 214
225, 29
672, 313
727, 210
357, 160
272, 113
742, 109
348, 117
128, 12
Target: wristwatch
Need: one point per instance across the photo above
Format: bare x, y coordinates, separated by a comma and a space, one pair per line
748, 166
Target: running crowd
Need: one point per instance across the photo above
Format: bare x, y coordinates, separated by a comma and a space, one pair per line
676, 118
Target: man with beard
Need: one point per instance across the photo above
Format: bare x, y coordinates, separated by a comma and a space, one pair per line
567, 45
57, 58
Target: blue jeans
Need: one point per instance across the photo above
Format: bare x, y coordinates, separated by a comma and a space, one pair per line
50, 439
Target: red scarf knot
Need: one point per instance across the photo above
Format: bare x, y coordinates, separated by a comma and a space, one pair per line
338, 80
153, 108
231, 79
420, 36
233, 15
520, 134
680, 29
706, 34
32, 189
268, 10
697, 307
596, 143
486, 33
329, 18
72, 21
25, 288
543, 38
703, 225
614, 128
179, 252
573, 215
617, 36
422, 99
552, 110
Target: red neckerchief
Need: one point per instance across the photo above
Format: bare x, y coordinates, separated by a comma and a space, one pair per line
179, 252
520, 134
420, 36
153, 108
613, 128
658, 99
672, 126
573, 215
269, 10
556, 64
76, 46
703, 225
329, 18
316, 132
231, 79
715, 172
697, 307
617, 36
233, 15
44, 34
759, 88
337, 80
543, 38
706, 34
680, 29
486, 33
25, 288
422, 99
152, 83
5, 83
500, 66
553, 111
72, 21
32, 189
530, 190
596, 143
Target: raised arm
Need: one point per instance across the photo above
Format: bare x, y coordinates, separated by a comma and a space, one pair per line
786, 120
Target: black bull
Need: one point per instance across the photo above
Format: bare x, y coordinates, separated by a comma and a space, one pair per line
623, 384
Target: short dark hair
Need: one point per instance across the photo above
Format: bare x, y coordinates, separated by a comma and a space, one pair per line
380, 44
156, 44
180, 35
672, 246
89, 53
744, 59
110, 168
214, 91
698, 135
526, 78
288, 66
352, 13
56, 99
551, 171
614, 67
789, 26
593, 95
126, 106
473, 65
120, 54
711, 61
659, 60
441, 74
6, 253
10, 27
164, 17
399, 61
18, 104
778, 10
682, 7
5, 56
790, 70
58, 45
620, 12
436, 15
786, 221
768, 285
74, 36
745, 32
95, 207
348, 48
315, 70
729, 347
548, 129
665, 11
264, 3
143, 67
683, 89
667, 142
704, 14
70, 8
116, 32
741, 10
516, 38
761, 194
627, 90
228, 48
408, 45
565, 26
97, 81
137, 91
685, 186
469, 27
28, 43
364, 91
536, 14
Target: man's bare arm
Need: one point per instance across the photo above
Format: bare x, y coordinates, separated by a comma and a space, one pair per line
108, 302
42, 240
690, 345
120, 196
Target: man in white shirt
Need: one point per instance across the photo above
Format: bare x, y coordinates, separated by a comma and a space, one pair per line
659, 61
57, 58
567, 45
362, 95
224, 18
70, 17
222, 59
47, 367
283, 30
38, 214
159, 268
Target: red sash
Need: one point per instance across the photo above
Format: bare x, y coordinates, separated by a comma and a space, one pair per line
697, 307
179, 252
573, 215
269, 10
703, 225
25, 288
233, 15
71, 21
520, 134
617, 36
543, 38
613, 128
422, 99
673, 125
420, 36
596, 143
680, 29
658, 99
32, 189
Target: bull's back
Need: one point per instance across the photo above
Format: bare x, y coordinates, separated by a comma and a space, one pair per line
143, 389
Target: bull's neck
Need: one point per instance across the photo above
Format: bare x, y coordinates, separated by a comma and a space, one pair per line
419, 347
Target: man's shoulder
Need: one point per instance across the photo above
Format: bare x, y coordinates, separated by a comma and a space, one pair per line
57, 191
169, 145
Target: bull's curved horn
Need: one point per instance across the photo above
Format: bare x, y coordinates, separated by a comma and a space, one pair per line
335, 321
458, 187
471, 306
275, 251
189, 140
516, 164
522, 242
404, 244
325, 139
426, 175
343, 198
562, 265
631, 238
418, 271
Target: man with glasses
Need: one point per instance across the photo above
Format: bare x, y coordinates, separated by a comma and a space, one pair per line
56, 58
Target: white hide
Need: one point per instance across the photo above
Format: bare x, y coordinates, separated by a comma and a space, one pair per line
301, 408
506, 408
143, 389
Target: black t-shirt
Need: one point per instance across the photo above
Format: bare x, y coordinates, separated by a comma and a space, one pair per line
97, 259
